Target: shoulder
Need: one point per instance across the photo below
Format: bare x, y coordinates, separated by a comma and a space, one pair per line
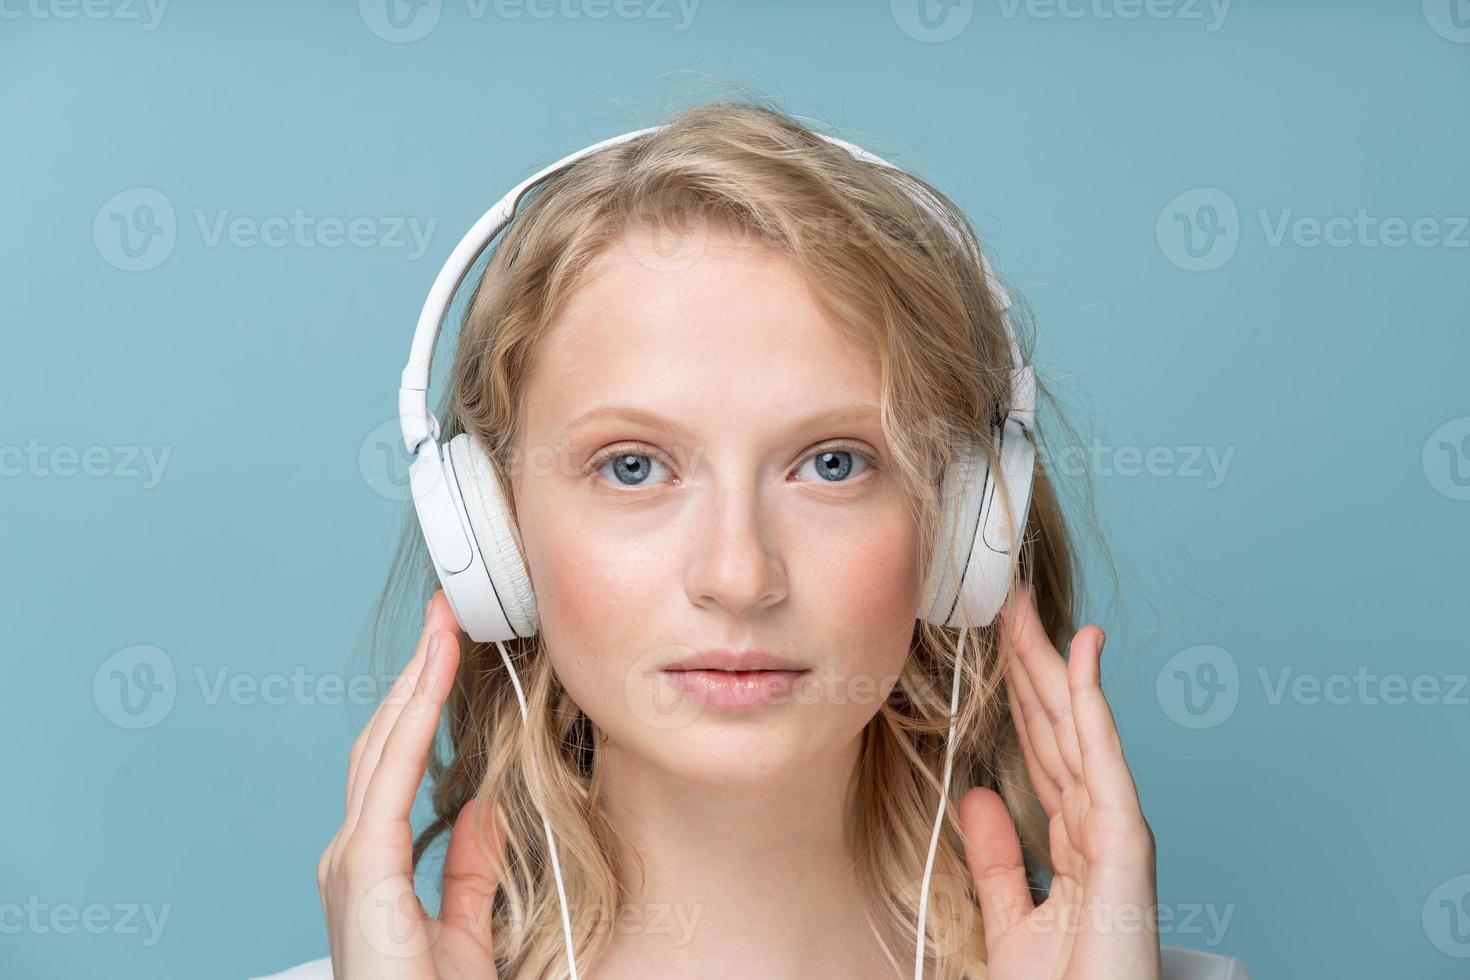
1191, 964
314, 970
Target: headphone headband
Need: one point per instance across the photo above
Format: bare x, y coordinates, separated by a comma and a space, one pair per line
419, 424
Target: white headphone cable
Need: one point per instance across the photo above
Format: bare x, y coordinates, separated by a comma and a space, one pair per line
954, 707
561, 891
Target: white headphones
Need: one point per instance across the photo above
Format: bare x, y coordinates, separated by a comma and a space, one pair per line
475, 547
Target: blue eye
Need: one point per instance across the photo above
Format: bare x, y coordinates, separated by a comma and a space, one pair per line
629, 469
835, 465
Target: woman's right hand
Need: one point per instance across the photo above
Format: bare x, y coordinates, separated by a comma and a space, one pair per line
376, 925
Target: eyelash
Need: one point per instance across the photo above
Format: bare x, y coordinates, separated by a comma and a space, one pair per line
637, 449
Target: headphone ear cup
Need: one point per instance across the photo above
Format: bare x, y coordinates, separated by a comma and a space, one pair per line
972, 572
1002, 529
495, 534
960, 500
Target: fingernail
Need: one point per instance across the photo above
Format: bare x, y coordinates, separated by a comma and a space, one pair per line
1101, 639
433, 650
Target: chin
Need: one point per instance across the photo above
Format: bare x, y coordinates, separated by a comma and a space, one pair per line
732, 754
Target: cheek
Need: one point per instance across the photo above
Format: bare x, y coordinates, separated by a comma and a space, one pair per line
870, 598
591, 602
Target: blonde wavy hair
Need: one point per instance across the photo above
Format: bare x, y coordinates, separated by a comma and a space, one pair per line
905, 283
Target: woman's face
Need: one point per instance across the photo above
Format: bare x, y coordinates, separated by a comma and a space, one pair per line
691, 478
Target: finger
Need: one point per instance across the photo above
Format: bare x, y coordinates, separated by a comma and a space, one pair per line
471, 877
437, 616
1040, 732
1121, 853
1046, 788
1104, 770
373, 731
405, 755
1072, 802
993, 853
1047, 673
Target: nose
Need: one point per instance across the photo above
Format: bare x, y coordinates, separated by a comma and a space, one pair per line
736, 564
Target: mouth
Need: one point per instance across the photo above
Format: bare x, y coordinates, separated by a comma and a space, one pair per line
717, 688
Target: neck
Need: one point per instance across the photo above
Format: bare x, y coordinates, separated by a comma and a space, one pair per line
735, 882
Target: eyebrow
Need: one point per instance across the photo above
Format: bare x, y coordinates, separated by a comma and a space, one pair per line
638, 416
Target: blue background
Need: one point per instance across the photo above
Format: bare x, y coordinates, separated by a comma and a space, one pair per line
1331, 831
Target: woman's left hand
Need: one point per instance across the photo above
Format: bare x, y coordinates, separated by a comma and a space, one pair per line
1099, 918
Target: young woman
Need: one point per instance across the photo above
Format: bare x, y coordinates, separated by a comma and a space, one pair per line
723, 373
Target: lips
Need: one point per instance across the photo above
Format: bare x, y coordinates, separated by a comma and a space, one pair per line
736, 688
735, 660
735, 678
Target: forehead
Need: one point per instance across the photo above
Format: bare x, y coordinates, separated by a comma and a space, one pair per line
706, 322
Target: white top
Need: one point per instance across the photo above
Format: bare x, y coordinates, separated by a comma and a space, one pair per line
1179, 964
